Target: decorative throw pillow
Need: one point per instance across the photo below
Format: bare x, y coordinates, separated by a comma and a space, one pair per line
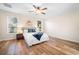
38, 35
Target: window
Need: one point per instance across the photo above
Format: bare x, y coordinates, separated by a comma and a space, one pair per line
39, 25
12, 24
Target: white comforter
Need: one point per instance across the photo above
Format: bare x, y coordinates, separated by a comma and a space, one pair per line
31, 40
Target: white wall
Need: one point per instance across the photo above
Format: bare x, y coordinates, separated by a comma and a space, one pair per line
0, 25
4, 35
64, 26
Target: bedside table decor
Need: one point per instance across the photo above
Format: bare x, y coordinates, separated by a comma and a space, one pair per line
19, 34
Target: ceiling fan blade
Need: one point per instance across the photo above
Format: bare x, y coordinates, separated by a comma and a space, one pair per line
44, 9
38, 7
34, 6
43, 13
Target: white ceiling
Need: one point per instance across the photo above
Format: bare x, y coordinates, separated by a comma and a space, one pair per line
53, 8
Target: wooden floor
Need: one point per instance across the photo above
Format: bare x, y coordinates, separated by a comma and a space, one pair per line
54, 46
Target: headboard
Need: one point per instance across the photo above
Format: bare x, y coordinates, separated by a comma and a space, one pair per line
29, 30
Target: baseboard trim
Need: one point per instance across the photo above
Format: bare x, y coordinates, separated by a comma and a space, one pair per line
65, 39
71, 41
7, 39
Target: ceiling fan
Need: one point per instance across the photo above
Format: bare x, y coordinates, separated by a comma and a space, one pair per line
39, 10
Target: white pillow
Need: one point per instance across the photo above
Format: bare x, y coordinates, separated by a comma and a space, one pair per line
25, 31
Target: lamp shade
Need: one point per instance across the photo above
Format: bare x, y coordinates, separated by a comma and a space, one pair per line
19, 30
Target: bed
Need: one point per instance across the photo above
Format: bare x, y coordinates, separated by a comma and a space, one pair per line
32, 38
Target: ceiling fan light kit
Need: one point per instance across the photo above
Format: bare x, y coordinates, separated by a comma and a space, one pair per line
39, 10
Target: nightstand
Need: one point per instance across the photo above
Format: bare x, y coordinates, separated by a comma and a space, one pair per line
19, 36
